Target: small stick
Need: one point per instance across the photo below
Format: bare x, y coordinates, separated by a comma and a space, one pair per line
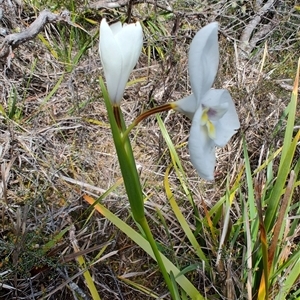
13, 40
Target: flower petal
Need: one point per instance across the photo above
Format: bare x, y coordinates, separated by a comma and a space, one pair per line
116, 27
130, 40
215, 113
187, 106
120, 48
204, 60
111, 59
201, 148
228, 123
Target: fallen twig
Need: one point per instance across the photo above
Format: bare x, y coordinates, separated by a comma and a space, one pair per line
246, 46
13, 40
122, 3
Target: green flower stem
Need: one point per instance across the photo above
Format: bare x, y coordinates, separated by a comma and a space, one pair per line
146, 114
131, 179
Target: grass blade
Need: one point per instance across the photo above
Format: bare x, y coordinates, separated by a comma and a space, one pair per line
183, 223
186, 285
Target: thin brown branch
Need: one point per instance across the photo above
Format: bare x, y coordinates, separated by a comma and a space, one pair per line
13, 40
246, 46
122, 3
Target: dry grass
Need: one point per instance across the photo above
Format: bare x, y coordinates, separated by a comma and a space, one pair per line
51, 152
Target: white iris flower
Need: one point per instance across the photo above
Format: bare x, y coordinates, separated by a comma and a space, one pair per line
119, 47
213, 114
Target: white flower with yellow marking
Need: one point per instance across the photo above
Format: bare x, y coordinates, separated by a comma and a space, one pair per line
213, 114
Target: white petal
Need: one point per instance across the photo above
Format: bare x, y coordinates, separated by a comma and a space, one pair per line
187, 106
116, 27
204, 59
215, 113
130, 40
227, 125
214, 98
111, 59
201, 148
120, 48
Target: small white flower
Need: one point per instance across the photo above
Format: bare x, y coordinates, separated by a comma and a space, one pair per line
213, 114
119, 47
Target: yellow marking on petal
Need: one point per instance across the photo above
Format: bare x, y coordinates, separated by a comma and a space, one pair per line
211, 130
204, 117
205, 121
173, 105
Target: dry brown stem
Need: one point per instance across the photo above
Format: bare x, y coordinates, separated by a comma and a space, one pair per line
13, 40
247, 44
122, 3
